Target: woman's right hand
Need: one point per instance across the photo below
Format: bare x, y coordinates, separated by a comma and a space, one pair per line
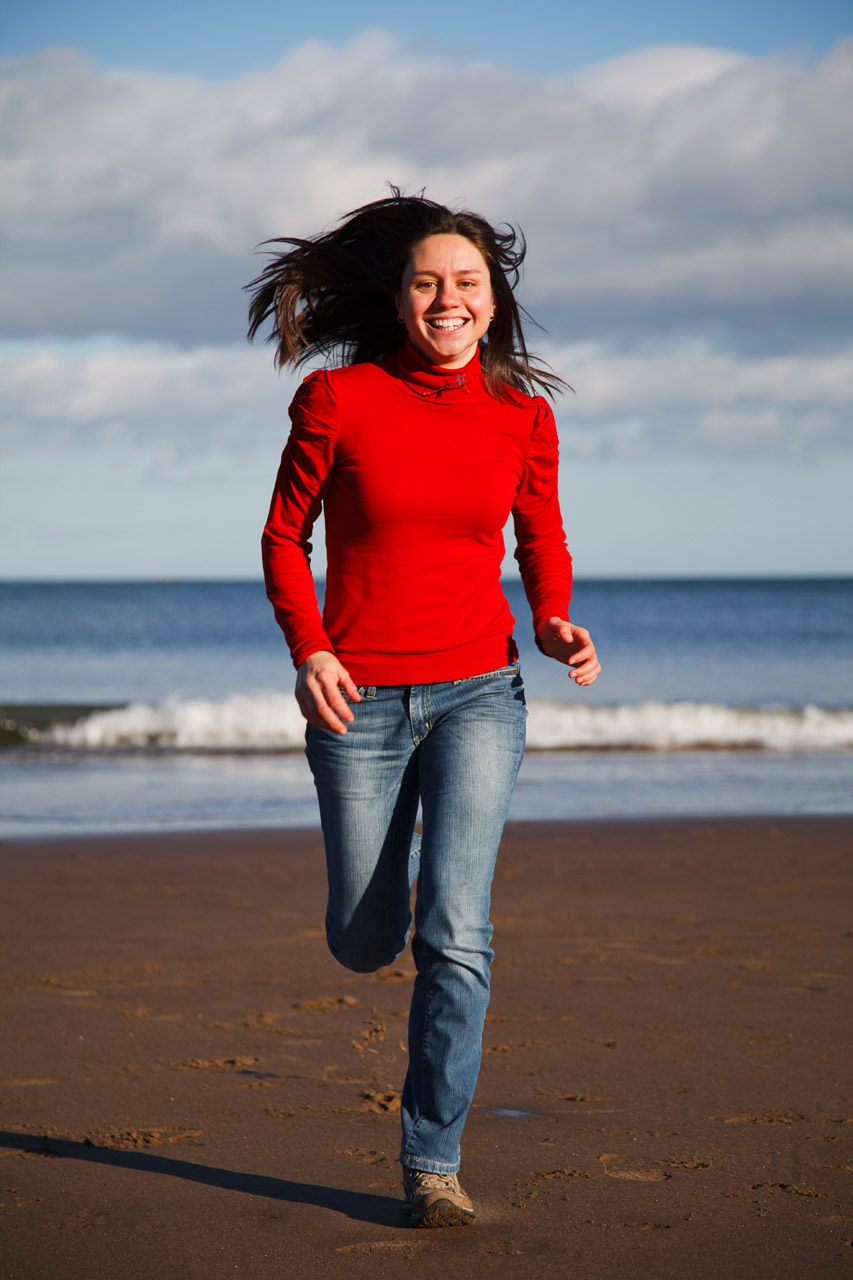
318, 691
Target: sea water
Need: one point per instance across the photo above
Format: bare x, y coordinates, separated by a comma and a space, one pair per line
168, 705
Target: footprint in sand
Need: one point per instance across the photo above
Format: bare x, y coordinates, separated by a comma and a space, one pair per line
609, 1161
214, 1064
394, 975
325, 1004
762, 1117
134, 1139
385, 1103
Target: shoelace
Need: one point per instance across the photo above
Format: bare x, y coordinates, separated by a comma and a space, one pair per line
433, 1181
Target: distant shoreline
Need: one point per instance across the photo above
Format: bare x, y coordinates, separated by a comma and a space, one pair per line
667, 578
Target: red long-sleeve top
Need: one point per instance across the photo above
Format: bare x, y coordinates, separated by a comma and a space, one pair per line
417, 469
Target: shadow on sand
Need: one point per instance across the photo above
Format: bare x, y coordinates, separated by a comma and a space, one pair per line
360, 1206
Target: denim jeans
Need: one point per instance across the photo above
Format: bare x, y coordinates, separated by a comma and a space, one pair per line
456, 746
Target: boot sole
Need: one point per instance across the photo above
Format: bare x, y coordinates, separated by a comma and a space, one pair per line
443, 1213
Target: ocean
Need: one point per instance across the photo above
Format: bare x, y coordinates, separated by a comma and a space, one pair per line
146, 706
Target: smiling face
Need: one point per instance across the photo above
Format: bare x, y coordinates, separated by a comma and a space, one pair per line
445, 299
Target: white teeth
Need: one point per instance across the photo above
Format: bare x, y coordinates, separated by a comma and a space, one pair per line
448, 325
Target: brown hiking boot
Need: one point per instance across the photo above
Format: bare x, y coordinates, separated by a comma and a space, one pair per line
435, 1199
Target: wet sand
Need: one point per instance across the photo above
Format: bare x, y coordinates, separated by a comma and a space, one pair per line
192, 1087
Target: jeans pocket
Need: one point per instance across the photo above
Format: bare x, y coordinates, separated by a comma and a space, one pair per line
366, 691
513, 669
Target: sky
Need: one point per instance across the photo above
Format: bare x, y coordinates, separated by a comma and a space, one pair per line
683, 176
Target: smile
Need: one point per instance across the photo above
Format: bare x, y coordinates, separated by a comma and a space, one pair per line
447, 326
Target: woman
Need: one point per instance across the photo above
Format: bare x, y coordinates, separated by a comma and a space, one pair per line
418, 447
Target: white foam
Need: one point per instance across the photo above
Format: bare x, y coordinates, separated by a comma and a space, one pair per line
242, 722
678, 726
271, 721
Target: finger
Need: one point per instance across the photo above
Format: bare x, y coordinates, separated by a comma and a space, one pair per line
349, 685
322, 716
330, 700
322, 707
334, 725
586, 674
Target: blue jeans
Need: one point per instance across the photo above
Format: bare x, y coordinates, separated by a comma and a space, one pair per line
456, 746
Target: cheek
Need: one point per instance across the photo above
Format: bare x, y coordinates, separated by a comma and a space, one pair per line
413, 306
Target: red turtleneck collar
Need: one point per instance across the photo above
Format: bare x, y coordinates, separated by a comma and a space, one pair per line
434, 381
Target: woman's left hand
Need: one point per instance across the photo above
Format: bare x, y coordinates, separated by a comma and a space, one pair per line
570, 644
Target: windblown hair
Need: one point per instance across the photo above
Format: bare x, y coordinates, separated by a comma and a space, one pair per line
334, 294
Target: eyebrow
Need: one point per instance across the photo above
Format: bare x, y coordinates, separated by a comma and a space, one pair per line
465, 271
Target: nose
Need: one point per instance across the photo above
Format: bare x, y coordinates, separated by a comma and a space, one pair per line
446, 294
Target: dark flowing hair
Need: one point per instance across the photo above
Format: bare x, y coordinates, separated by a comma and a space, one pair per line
334, 294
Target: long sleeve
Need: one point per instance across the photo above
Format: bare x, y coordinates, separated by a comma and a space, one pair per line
416, 473
303, 477
541, 552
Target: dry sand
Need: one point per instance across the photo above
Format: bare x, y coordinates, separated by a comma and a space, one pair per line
191, 1087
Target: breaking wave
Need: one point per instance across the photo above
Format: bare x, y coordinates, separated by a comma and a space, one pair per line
272, 722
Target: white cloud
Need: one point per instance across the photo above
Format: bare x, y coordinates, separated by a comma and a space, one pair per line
178, 406
691, 398
674, 188
145, 398
649, 76
688, 213
694, 373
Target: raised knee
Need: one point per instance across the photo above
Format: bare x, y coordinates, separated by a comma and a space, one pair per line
360, 955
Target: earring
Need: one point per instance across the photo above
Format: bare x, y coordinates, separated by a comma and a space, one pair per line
400, 320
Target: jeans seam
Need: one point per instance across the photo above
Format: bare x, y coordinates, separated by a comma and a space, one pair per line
423, 1046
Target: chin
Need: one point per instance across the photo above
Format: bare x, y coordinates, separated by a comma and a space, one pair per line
440, 353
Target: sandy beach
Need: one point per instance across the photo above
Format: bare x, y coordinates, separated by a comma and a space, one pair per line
192, 1087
